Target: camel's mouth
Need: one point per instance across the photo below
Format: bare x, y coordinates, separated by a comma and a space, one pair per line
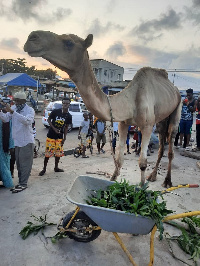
35, 53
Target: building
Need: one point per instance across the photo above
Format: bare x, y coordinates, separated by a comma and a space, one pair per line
106, 72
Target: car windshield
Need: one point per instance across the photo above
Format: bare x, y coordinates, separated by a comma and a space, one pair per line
57, 106
74, 108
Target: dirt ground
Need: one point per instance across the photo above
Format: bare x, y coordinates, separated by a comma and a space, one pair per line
46, 195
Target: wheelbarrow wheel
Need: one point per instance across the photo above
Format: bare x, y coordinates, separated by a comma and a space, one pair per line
80, 223
77, 152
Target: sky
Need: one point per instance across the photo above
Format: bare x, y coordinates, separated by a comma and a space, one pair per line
129, 33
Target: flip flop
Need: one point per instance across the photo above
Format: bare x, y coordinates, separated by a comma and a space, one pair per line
14, 187
19, 189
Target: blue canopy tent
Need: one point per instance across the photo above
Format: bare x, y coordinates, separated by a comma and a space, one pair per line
18, 79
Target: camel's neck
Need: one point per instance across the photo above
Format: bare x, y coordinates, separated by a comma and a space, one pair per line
95, 100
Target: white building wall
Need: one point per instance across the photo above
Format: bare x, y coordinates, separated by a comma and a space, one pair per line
106, 72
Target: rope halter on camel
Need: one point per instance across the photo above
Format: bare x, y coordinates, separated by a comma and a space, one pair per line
110, 130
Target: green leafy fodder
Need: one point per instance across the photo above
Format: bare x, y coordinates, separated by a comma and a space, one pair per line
131, 199
189, 241
34, 228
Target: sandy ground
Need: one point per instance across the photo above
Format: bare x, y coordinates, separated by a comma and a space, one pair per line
47, 195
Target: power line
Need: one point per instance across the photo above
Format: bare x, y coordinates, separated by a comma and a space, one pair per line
170, 70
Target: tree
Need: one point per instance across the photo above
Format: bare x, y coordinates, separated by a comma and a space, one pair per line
19, 66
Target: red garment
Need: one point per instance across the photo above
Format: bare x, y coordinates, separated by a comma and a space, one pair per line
135, 136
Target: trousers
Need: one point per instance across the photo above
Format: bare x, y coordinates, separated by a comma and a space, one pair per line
24, 162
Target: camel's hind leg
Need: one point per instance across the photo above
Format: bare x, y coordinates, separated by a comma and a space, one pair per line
172, 130
123, 130
162, 130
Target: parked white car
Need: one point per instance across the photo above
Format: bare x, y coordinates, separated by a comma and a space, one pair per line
76, 109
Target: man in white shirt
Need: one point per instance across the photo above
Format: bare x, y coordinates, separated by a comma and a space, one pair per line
82, 134
22, 117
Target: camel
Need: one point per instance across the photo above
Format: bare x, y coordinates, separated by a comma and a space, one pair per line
150, 98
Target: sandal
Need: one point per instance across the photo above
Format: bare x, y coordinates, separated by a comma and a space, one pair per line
19, 189
85, 156
14, 187
58, 170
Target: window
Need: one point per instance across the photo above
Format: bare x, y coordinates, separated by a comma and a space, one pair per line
74, 108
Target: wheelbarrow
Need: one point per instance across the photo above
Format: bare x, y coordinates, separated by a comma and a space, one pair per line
86, 222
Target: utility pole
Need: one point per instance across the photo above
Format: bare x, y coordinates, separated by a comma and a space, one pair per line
37, 94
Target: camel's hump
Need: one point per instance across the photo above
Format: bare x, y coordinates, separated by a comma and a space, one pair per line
157, 71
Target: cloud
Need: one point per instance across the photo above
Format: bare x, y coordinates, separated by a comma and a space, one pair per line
110, 6
116, 50
152, 57
97, 29
152, 29
188, 59
29, 10
185, 60
11, 44
193, 13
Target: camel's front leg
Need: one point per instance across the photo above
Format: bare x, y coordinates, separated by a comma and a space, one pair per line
146, 134
167, 182
153, 175
123, 130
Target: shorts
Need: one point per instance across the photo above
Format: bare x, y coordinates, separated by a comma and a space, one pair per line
101, 137
185, 126
54, 147
83, 139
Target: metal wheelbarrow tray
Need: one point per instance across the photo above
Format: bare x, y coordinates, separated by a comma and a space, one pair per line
108, 219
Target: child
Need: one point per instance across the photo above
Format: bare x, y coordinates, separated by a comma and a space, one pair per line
90, 130
100, 128
135, 137
114, 135
82, 134
127, 141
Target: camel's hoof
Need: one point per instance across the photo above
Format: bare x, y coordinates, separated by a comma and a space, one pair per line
113, 178
151, 178
166, 185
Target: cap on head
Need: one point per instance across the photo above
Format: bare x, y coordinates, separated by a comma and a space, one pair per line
189, 91
20, 95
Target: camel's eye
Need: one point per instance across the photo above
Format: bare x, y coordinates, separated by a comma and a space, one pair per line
68, 44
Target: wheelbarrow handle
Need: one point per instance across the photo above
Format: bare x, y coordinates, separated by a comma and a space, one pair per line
180, 186
193, 185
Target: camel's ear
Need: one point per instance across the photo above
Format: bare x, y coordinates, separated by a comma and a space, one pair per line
88, 41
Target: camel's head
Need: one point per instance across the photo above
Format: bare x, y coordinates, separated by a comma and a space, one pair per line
67, 52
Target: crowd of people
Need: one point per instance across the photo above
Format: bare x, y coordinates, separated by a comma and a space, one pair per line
17, 136
18, 119
190, 105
